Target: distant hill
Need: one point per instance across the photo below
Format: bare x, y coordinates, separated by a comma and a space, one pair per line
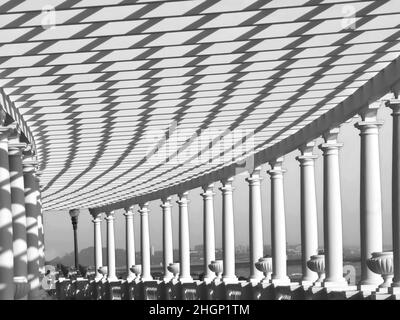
86, 258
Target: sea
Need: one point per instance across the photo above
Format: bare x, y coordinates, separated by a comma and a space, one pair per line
351, 271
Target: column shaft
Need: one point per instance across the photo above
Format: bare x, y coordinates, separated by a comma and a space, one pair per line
6, 223
396, 193
228, 231
145, 243
308, 211
184, 241
370, 195
111, 276
168, 253
130, 243
278, 224
333, 241
31, 227
208, 231
98, 245
19, 215
255, 224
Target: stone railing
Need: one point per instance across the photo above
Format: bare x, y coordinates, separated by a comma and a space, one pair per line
83, 289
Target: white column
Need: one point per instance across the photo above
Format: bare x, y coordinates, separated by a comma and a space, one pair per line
130, 243
255, 224
6, 222
31, 226
184, 242
98, 245
395, 106
208, 230
168, 250
18, 211
145, 242
308, 211
111, 274
370, 194
278, 224
40, 226
333, 242
228, 231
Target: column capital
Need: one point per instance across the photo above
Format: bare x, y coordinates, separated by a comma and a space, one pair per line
393, 104
370, 112
110, 215
208, 191
183, 198
276, 167
166, 202
227, 185
29, 164
331, 144
254, 178
144, 208
129, 212
307, 149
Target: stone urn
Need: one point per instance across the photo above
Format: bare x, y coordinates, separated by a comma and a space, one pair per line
265, 266
137, 270
103, 271
382, 263
317, 264
175, 269
217, 267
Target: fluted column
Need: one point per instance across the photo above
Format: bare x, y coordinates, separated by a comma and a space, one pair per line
228, 231
255, 224
333, 241
111, 274
308, 211
129, 243
145, 242
208, 230
278, 224
18, 211
184, 241
32, 233
370, 194
98, 245
395, 106
6, 222
168, 250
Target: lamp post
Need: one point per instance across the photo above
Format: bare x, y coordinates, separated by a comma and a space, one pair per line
74, 213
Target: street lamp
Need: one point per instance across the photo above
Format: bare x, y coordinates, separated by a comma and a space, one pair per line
74, 213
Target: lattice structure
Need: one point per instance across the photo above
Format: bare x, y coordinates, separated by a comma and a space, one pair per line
126, 98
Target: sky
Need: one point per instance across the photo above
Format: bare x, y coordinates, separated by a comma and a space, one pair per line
58, 228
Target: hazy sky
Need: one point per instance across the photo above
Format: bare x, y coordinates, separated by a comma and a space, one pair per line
58, 228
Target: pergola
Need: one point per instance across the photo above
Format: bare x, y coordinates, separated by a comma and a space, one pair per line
127, 101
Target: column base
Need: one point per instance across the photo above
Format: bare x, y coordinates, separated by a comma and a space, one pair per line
367, 287
338, 283
112, 279
285, 281
148, 278
255, 280
209, 279
167, 279
21, 288
130, 278
186, 280
394, 290
230, 280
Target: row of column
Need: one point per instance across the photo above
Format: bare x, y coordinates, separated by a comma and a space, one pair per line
19, 212
370, 216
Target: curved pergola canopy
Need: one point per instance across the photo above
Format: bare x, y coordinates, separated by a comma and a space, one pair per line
126, 101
